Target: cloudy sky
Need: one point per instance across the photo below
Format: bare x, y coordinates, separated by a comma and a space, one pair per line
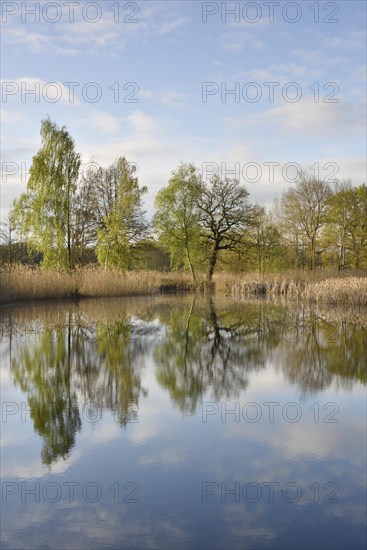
252, 88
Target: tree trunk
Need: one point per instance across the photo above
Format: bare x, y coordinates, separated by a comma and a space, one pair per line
212, 262
69, 229
69, 243
342, 262
107, 254
187, 329
215, 325
312, 258
190, 264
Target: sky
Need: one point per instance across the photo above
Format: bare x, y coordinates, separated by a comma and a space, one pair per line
252, 90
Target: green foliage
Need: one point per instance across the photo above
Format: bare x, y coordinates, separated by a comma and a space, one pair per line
262, 249
113, 246
124, 224
360, 227
176, 220
199, 225
42, 215
148, 254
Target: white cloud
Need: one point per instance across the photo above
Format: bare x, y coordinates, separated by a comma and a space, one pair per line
172, 25
9, 116
308, 118
319, 59
100, 121
76, 38
142, 123
278, 72
237, 42
347, 41
244, 34
107, 36
353, 168
165, 97
23, 37
320, 118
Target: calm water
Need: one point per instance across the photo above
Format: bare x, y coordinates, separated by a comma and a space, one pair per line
182, 423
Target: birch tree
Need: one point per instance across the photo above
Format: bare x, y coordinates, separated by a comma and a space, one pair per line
43, 214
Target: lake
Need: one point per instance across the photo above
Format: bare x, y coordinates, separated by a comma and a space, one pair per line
183, 422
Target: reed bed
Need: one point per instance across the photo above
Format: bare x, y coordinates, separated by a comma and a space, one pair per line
95, 282
22, 283
351, 291
316, 288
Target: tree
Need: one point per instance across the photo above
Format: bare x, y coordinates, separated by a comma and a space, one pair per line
225, 215
176, 220
84, 217
303, 212
266, 240
290, 236
43, 213
95, 201
340, 218
123, 222
7, 241
148, 254
359, 228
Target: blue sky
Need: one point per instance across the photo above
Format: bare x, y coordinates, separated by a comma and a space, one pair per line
169, 53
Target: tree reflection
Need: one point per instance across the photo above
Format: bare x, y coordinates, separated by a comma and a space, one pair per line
119, 385
200, 348
101, 363
316, 351
209, 348
206, 350
43, 372
178, 356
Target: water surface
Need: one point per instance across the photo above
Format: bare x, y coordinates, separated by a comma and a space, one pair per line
183, 423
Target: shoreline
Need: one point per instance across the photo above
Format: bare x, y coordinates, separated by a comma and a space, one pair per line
24, 285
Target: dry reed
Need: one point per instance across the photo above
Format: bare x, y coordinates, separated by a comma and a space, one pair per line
22, 283
320, 287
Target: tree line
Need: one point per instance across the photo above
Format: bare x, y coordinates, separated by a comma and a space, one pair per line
64, 220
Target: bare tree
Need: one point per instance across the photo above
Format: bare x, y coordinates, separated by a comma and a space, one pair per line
225, 215
303, 212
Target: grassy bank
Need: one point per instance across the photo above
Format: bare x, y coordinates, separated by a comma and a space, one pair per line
25, 284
